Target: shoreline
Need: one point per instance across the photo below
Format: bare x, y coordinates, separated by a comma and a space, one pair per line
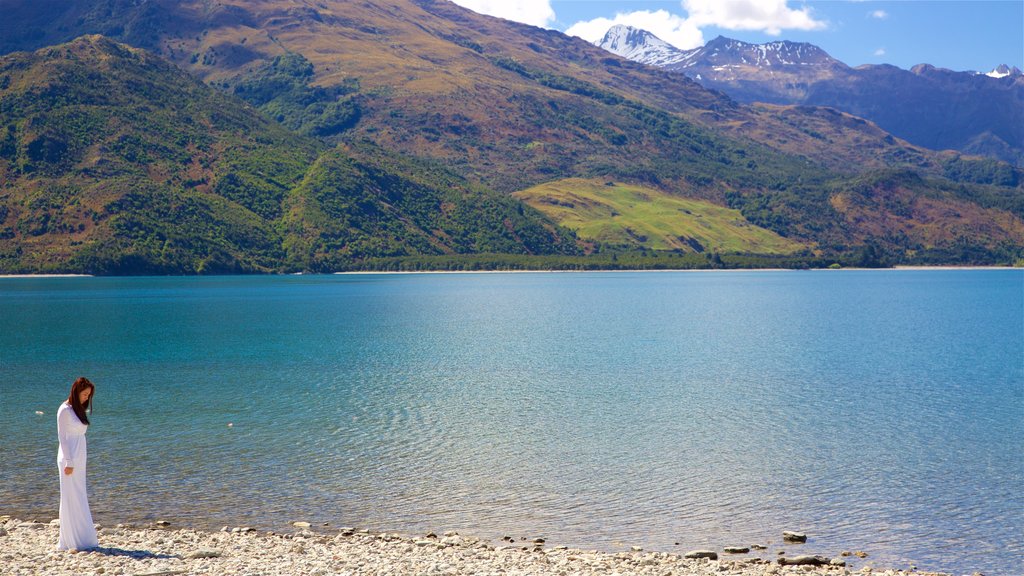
537, 271
47, 276
28, 547
668, 270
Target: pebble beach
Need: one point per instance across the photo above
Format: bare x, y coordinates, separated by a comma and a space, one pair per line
28, 548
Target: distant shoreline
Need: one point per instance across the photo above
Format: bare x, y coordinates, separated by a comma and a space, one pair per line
537, 271
661, 270
47, 276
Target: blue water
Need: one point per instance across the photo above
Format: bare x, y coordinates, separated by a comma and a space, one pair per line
880, 411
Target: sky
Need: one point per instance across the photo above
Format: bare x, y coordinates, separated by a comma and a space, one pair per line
955, 34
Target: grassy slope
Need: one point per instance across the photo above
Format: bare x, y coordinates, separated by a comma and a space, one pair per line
619, 214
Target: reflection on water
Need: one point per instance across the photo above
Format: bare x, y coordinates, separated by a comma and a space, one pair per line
877, 411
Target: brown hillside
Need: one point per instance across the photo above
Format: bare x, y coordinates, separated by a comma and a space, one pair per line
427, 69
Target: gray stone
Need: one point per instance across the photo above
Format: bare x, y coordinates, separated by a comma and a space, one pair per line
709, 554
736, 549
837, 562
804, 561
794, 537
205, 554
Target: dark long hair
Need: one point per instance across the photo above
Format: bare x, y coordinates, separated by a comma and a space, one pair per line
81, 384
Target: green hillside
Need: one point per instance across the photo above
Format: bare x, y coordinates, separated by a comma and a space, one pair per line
632, 216
113, 161
360, 203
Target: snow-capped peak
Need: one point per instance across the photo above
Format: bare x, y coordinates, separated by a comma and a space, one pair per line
640, 46
1002, 71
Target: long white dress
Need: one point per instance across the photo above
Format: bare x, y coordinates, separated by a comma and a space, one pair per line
76, 528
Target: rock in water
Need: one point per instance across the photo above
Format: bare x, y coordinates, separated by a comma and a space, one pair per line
794, 537
301, 524
736, 549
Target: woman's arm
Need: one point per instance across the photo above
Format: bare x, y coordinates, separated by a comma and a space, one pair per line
64, 422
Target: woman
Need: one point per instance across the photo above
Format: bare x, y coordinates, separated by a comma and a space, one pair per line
76, 529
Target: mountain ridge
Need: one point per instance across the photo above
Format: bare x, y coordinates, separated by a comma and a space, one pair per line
967, 111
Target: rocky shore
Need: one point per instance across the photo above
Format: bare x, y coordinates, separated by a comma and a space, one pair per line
28, 548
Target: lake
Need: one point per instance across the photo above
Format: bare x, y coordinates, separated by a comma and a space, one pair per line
880, 411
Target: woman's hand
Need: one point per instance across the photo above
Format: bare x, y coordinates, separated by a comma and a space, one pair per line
68, 470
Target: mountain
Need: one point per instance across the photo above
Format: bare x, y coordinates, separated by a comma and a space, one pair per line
427, 117
724, 63
933, 107
113, 161
777, 72
505, 103
939, 109
642, 46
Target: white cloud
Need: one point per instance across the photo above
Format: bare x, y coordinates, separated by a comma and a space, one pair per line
878, 14
675, 30
535, 12
880, 52
769, 16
